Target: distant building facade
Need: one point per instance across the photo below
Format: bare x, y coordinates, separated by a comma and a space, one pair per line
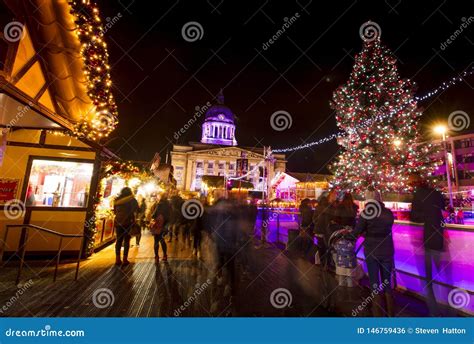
218, 155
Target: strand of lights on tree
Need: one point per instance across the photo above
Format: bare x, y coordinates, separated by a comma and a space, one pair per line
103, 119
443, 87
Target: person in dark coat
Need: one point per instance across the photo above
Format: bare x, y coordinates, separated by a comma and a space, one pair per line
306, 215
375, 224
161, 215
321, 220
346, 211
227, 235
125, 207
427, 208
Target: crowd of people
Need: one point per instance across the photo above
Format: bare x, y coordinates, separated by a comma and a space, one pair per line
229, 225
336, 211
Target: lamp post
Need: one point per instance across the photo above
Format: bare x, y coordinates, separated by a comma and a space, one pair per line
441, 129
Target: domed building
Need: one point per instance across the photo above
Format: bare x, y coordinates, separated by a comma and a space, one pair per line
218, 158
219, 127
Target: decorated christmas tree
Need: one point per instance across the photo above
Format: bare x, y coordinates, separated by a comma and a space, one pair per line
378, 116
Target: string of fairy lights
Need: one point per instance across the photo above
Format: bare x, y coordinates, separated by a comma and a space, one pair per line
441, 88
104, 117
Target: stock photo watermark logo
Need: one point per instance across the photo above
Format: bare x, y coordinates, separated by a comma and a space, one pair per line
272, 217
281, 298
281, 120
14, 209
372, 210
200, 110
199, 288
286, 25
192, 31
14, 31
458, 120
11, 301
370, 31
368, 300
192, 209
458, 298
111, 22
22, 111
104, 121
103, 298
464, 25
47, 331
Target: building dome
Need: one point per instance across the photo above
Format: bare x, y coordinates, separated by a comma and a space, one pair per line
219, 127
219, 112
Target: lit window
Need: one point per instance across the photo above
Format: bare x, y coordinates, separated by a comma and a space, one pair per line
58, 183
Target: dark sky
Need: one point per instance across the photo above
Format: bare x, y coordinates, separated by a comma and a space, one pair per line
160, 78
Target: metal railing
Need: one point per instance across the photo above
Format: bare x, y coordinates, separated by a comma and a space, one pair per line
24, 239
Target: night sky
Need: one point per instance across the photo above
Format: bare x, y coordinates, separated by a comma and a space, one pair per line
159, 78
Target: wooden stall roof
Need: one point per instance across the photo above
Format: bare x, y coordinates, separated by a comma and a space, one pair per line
51, 31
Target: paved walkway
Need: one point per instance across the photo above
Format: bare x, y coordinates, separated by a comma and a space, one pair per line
184, 286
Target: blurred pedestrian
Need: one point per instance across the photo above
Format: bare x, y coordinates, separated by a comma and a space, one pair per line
161, 216
427, 208
141, 219
125, 207
375, 224
227, 236
321, 219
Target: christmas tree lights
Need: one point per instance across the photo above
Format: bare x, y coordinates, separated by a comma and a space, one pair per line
378, 117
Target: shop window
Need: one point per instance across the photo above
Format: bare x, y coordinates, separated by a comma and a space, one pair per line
58, 183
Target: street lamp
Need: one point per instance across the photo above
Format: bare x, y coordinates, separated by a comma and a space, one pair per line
441, 130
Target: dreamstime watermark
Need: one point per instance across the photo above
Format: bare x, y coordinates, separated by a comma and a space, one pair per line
272, 217
14, 209
104, 121
22, 110
192, 31
370, 31
281, 120
458, 120
103, 298
458, 298
109, 22
11, 301
464, 25
368, 300
47, 331
372, 209
192, 209
281, 298
190, 300
14, 31
286, 25
200, 110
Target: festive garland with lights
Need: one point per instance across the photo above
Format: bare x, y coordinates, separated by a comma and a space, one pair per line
90, 32
124, 169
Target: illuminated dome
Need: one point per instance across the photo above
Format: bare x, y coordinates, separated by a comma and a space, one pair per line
219, 127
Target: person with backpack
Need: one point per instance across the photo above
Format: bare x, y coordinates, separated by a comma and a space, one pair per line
160, 218
125, 207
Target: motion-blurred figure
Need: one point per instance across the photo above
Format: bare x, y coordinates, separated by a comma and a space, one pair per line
427, 208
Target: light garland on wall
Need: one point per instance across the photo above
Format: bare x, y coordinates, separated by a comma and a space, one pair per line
94, 54
443, 87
